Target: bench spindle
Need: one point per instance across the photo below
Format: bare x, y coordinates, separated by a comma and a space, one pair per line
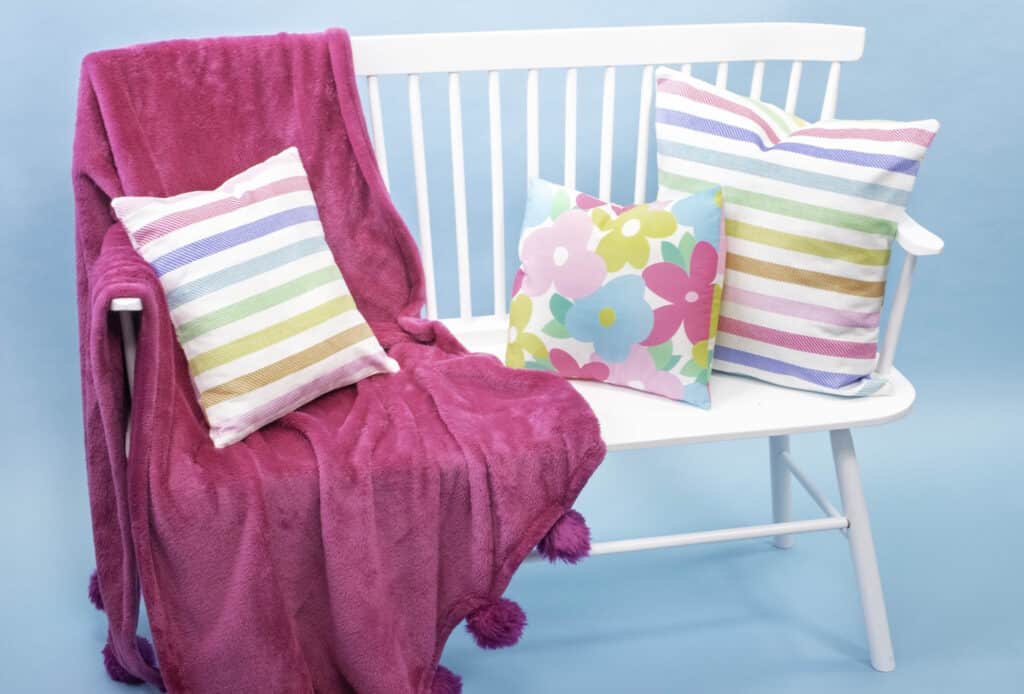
570, 128
793, 90
604, 186
722, 75
642, 133
497, 190
532, 125
828, 104
459, 195
377, 121
419, 165
757, 80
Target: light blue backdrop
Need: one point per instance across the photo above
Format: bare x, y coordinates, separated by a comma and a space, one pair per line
944, 485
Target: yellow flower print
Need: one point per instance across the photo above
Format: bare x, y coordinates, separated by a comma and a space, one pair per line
521, 342
625, 239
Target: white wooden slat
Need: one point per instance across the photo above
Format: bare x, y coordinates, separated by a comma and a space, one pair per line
757, 80
607, 135
595, 47
377, 121
828, 104
642, 133
497, 191
419, 164
749, 532
686, 69
532, 125
722, 75
793, 90
459, 193
569, 177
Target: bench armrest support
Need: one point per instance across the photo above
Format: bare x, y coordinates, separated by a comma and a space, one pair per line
916, 241
124, 307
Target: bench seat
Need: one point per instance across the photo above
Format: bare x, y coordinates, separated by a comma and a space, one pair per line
741, 407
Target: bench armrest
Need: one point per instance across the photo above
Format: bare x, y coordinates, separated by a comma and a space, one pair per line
917, 240
127, 303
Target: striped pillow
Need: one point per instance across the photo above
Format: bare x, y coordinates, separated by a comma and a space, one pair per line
257, 301
811, 214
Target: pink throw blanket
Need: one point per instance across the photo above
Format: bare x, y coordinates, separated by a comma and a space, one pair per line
334, 550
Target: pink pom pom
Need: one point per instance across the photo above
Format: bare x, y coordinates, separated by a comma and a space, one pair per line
95, 597
446, 682
497, 625
568, 539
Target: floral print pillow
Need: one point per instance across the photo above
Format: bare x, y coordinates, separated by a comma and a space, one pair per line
625, 295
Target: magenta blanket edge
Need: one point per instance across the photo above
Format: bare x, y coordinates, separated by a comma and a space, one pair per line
120, 490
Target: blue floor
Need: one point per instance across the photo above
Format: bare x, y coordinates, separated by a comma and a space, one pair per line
743, 617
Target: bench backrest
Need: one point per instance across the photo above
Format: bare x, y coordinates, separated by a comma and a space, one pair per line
568, 51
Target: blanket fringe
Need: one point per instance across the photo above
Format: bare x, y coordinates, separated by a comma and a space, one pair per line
568, 540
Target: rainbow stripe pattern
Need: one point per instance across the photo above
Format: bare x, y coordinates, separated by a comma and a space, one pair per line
258, 303
811, 214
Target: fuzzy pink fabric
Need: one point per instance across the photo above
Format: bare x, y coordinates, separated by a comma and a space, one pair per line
334, 550
568, 540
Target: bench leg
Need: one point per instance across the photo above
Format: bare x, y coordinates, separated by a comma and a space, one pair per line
782, 496
862, 549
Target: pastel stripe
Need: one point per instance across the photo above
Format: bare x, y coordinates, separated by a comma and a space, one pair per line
774, 115
885, 162
807, 278
801, 343
176, 220
242, 271
786, 174
917, 136
233, 237
282, 368
255, 303
783, 206
799, 309
344, 375
825, 379
806, 244
705, 97
270, 335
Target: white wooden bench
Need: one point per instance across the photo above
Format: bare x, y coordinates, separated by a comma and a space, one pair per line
742, 407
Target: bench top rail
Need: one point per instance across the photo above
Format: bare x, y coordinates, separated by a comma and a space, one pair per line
396, 54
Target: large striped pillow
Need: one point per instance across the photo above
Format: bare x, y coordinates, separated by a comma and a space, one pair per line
811, 214
257, 301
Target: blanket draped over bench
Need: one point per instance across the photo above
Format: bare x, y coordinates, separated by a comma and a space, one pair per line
335, 549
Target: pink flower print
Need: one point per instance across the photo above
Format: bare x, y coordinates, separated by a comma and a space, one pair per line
517, 281
594, 370
589, 202
638, 371
690, 296
558, 255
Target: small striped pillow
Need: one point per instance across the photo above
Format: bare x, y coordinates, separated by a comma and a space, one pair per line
811, 213
257, 301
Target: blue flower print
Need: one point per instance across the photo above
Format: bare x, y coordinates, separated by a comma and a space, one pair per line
613, 318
